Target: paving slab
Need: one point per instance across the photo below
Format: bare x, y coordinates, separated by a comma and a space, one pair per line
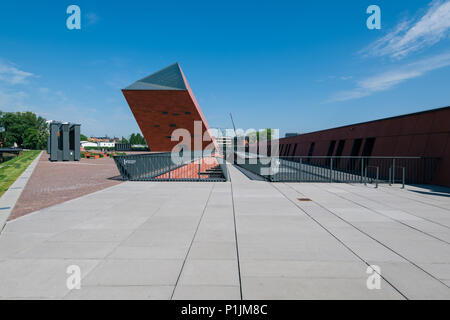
210, 273
415, 283
38, 278
121, 293
304, 269
196, 292
134, 272
276, 288
68, 250
91, 235
202, 250
12, 243
154, 251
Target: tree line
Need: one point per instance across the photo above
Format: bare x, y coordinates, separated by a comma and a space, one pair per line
135, 138
30, 131
24, 129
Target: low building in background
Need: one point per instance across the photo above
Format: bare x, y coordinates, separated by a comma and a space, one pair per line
99, 139
88, 144
99, 144
106, 144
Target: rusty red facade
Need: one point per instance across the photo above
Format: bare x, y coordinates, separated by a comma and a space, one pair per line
424, 134
164, 102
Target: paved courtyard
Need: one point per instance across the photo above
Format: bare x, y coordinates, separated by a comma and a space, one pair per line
241, 239
55, 182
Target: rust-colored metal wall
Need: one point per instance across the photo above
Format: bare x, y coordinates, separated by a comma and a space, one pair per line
164, 102
159, 113
424, 134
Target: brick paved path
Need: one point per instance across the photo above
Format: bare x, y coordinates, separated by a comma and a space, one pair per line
56, 182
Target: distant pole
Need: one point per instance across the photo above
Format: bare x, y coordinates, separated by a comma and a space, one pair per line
234, 139
232, 121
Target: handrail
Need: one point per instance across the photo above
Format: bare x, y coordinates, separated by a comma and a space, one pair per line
195, 166
350, 169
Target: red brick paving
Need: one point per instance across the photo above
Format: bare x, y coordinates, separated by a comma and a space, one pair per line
55, 182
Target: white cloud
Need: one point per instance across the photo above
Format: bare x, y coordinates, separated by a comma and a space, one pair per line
11, 98
387, 80
12, 75
415, 34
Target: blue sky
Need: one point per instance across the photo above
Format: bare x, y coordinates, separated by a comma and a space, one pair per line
293, 65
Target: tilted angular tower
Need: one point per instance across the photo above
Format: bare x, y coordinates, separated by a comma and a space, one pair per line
163, 102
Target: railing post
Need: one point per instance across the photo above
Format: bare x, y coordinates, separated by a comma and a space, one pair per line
376, 182
403, 178
393, 171
170, 166
365, 176
424, 169
199, 166
301, 170
331, 169
390, 176
362, 168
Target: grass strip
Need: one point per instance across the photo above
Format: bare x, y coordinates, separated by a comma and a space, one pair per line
12, 169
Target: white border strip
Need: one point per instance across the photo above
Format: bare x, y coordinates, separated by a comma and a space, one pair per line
10, 197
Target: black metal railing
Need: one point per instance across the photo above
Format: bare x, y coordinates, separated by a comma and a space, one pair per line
193, 166
405, 170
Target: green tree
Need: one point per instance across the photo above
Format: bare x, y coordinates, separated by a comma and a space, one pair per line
261, 135
83, 137
140, 139
31, 138
133, 139
26, 129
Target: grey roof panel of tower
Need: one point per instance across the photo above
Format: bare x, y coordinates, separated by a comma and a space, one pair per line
169, 78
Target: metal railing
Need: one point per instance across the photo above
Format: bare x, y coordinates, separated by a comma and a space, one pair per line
168, 166
405, 170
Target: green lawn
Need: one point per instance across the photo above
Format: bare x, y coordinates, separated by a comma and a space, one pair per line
12, 169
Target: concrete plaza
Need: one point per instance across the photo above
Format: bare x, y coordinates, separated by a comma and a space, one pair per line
245, 239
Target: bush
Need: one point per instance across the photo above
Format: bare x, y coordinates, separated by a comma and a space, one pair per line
139, 149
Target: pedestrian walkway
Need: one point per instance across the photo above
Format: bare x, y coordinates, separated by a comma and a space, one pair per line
242, 239
9, 199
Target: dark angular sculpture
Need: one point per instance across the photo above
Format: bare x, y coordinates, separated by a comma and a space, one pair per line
63, 144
